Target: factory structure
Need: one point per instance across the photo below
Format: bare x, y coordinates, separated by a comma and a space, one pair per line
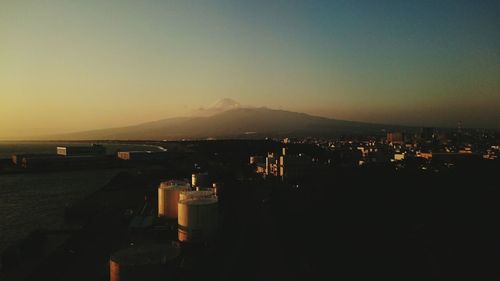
185, 221
194, 206
85, 156
188, 208
65, 157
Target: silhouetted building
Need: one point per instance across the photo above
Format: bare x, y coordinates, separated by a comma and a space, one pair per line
395, 137
492, 153
142, 155
272, 166
256, 159
289, 140
346, 157
63, 162
294, 166
17, 159
455, 157
378, 155
427, 134
424, 154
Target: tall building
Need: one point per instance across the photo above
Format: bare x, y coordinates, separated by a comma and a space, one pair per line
395, 137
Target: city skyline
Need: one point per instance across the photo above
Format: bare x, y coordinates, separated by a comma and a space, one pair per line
82, 65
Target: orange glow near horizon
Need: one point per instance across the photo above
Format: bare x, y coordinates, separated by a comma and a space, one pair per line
82, 65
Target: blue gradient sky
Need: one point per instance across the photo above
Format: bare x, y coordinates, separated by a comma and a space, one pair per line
76, 65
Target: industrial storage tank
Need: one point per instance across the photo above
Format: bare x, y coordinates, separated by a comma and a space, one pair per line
200, 180
148, 262
205, 193
197, 221
168, 197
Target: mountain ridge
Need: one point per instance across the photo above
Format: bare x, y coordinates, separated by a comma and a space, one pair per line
240, 122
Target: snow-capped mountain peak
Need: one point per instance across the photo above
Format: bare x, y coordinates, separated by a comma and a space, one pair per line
225, 104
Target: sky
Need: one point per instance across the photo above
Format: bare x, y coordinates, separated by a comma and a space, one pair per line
76, 65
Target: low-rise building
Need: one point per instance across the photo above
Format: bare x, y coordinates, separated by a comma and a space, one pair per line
94, 149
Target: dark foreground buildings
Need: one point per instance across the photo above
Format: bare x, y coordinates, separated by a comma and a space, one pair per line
353, 209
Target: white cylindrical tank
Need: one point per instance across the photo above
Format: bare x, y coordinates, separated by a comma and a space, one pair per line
168, 197
196, 194
148, 262
197, 220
